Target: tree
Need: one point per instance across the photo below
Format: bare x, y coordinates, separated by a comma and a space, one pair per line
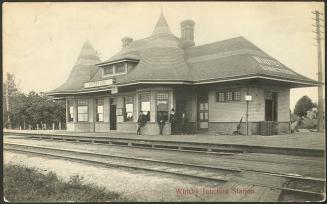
303, 105
9, 90
21, 110
42, 109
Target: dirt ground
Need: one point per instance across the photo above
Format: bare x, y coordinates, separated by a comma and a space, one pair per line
133, 185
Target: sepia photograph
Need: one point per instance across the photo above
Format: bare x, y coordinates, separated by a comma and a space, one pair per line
163, 101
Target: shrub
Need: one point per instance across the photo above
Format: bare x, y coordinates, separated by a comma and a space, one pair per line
28, 185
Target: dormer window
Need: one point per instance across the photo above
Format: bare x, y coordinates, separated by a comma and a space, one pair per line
115, 69
108, 70
120, 68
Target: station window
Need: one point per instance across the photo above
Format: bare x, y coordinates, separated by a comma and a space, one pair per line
204, 116
120, 68
70, 110
145, 105
129, 108
108, 70
99, 110
162, 105
229, 96
82, 110
236, 95
223, 96
204, 106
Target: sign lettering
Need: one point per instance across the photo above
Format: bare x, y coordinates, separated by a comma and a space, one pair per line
272, 65
98, 83
274, 69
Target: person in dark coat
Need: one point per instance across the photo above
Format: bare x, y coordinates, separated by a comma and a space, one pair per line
161, 120
147, 117
141, 122
183, 123
172, 120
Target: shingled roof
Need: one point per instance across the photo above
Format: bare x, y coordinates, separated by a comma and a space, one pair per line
234, 58
161, 26
82, 72
161, 58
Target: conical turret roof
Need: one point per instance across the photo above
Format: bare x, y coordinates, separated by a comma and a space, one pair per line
161, 26
88, 55
83, 70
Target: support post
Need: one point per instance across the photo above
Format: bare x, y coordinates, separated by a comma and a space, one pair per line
247, 113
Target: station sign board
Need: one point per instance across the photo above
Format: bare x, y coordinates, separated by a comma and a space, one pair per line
98, 83
248, 97
114, 90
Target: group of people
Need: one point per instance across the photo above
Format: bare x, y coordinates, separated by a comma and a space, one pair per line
161, 119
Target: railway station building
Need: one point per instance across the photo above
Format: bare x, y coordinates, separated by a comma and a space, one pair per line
214, 85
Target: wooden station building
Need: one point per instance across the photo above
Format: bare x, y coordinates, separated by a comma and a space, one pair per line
213, 85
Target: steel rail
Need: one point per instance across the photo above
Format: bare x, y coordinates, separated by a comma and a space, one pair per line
166, 149
201, 152
210, 147
14, 148
174, 163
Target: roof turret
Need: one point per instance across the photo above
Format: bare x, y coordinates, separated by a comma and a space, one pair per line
88, 55
161, 26
83, 70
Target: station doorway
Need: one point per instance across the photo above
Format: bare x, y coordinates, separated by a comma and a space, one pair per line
113, 117
181, 122
203, 111
271, 107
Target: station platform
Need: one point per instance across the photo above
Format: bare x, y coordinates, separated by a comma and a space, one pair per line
298, 141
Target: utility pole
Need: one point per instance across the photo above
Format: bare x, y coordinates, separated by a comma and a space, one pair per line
320, 86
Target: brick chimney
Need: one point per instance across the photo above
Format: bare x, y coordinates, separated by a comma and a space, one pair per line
187, 33
126, 41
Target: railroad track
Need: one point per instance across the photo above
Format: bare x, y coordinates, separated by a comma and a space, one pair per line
175, 145
137, 146
313, 188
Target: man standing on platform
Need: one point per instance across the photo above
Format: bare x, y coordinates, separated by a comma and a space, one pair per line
172, 120
161, 120
141, 122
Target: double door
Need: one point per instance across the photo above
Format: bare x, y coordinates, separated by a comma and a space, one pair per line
203, 111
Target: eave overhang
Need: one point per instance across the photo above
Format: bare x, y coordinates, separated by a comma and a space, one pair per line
76, 92
297, 82
117, 61
293, 83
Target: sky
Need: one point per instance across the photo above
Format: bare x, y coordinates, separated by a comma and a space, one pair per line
41, 41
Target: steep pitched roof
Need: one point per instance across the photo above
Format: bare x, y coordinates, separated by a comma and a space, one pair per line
234, 58
161, 37
83, 70
161, 58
